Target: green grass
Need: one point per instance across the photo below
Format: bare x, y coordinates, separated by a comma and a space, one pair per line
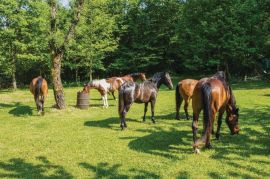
74, 143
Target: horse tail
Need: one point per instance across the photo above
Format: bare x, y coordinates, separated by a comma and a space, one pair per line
121, 102
38, 86
206, 99
178, 98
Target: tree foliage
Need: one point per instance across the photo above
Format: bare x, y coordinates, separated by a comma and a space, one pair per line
116, 37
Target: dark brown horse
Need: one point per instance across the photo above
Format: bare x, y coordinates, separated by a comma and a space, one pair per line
116, 82
184, 91
213, 95
39, 88
141, 93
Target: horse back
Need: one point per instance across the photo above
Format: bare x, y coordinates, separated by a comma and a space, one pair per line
220, 94
43, 87
186, 87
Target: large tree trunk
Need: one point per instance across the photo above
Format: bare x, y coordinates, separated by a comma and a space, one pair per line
57, 83
58, 51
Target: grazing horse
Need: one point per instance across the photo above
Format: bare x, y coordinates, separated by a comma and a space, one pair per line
104, 87
184, 91
213, 95
39, 88
116, 83
144, 92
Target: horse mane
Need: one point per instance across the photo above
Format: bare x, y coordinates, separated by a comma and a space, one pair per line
232, 100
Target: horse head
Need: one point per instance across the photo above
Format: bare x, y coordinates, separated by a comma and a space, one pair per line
167, 80
142, 76
86, 88
220, 75
232, 119
162, 78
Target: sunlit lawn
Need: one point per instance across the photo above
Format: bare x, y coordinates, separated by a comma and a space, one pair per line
74, 143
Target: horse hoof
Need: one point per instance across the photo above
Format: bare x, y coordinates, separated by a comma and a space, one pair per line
154, 121
197, 151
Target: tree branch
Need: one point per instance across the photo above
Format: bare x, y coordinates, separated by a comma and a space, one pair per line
75, 21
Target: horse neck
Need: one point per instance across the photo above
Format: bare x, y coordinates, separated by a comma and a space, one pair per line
157, 82
232, 100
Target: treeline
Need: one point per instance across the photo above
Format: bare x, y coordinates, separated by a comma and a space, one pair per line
116, 37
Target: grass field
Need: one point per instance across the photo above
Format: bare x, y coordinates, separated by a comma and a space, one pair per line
74, 143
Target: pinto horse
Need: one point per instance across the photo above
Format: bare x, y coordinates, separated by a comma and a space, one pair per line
104, 87
115, 83
213, 95
39, 88
144, 92
184, 91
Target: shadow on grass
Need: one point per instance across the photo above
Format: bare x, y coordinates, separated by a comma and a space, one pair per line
104, 170
21, 110
253, 140
163, 143
18, 109
107, 123
18, 168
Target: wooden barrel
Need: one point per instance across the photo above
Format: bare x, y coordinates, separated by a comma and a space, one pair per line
82, 100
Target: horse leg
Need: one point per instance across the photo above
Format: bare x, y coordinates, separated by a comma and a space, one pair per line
38, 104
123, 116
106, 101
153, 102
113, 95
42, 103
208, 131
178, 105
145, 110
103, 101
220, 114
186, 108
195, 126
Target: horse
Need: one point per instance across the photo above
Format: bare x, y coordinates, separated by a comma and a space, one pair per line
213, 95
104, 87
184, 91
116, 83
134, 77
144, 92
39, 88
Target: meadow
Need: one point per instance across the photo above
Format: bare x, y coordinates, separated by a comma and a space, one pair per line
74, 143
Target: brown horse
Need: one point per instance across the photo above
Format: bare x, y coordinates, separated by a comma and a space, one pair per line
134, 77
116, 82
213, 95
184, 91
39, 88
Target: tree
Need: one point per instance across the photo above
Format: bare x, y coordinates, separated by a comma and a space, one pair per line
57, 44
22, 30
